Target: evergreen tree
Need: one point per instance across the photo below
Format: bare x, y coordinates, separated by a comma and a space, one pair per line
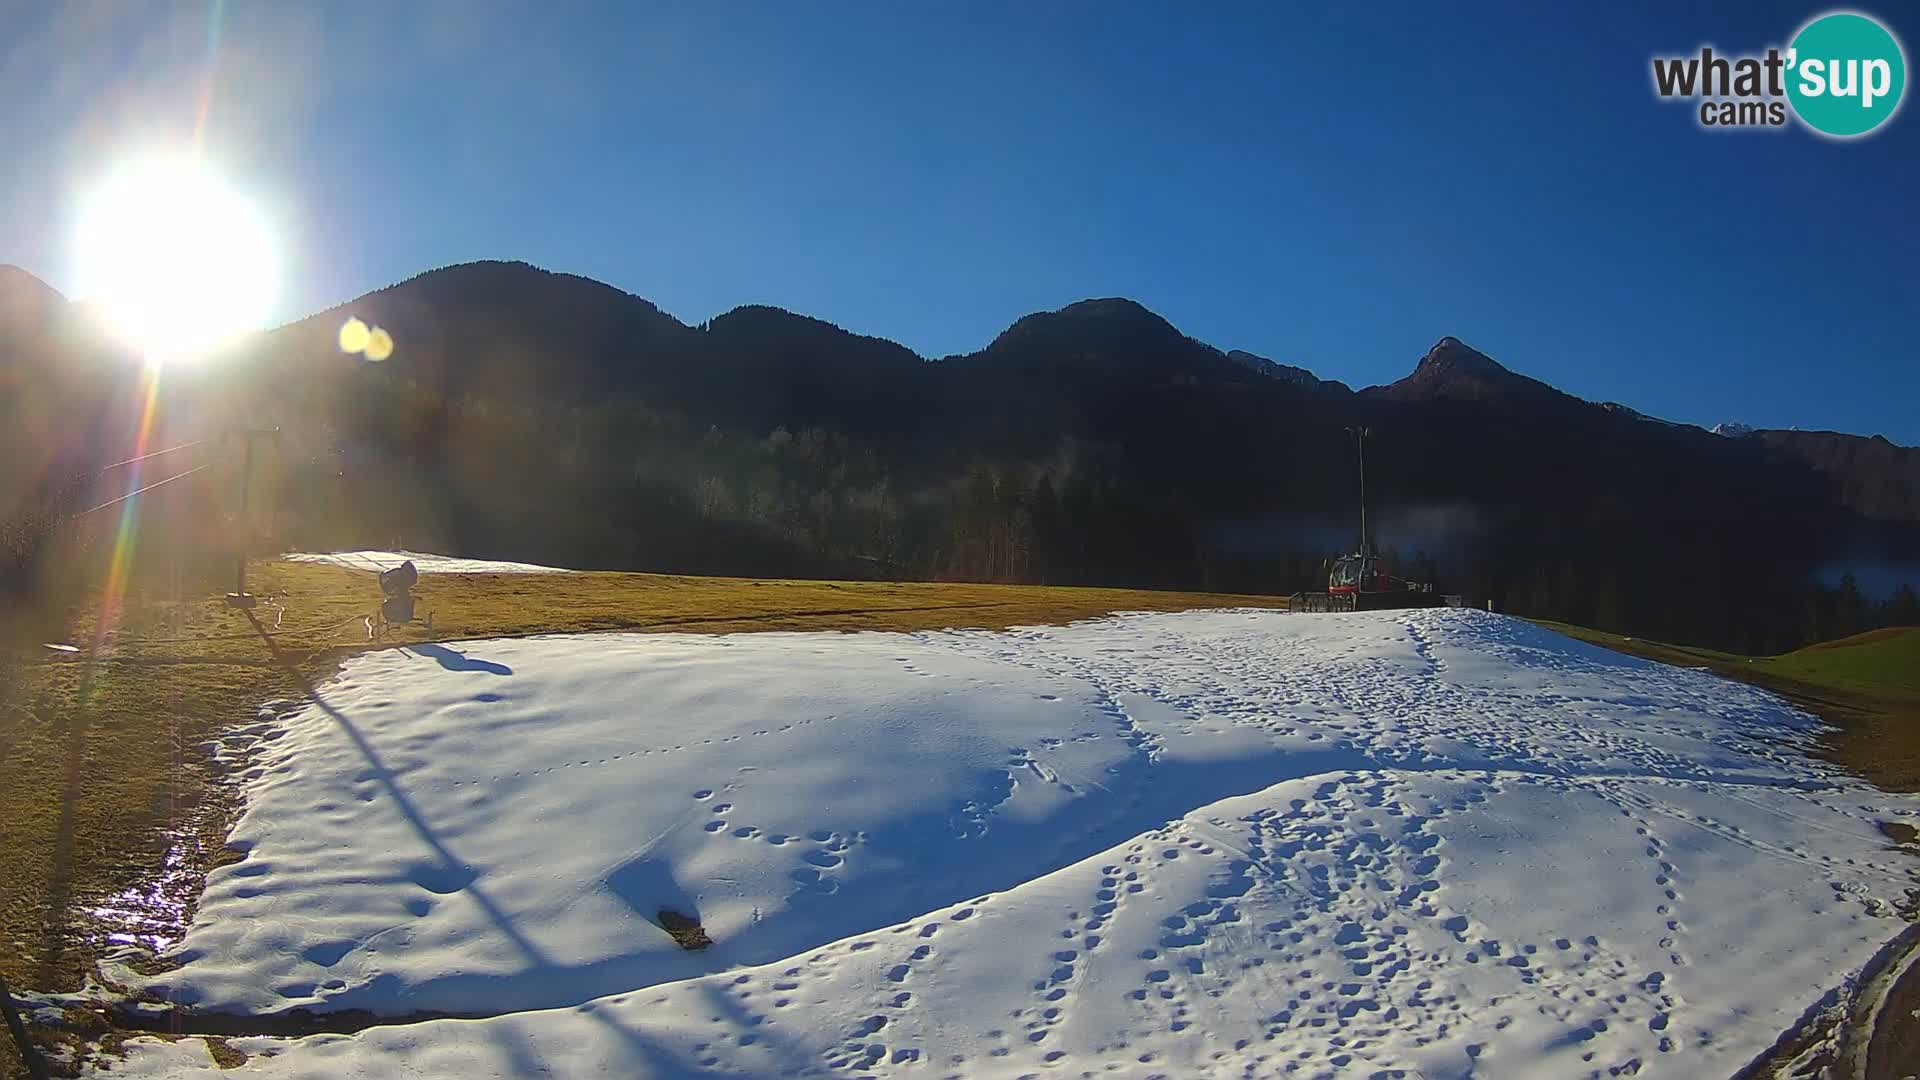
1903, 609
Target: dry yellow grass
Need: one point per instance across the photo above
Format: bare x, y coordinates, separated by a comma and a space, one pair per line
509, 605
1865, 686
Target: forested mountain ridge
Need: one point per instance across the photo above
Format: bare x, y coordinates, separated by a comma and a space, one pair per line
1871, 476
547, 417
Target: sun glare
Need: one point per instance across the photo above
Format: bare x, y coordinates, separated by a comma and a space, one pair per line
177, 261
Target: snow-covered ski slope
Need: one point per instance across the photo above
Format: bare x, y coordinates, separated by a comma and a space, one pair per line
422, 561
1231, 843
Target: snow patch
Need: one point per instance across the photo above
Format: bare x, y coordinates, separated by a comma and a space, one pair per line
1201, 844
425, 562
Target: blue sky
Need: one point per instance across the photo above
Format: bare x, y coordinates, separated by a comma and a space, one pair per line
1332, 188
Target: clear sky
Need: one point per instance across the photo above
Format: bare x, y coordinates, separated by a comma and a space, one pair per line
1335, 186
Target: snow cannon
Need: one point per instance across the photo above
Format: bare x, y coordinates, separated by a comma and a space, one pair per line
397, 585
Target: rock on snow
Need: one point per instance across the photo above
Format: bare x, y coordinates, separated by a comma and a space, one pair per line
1203, 844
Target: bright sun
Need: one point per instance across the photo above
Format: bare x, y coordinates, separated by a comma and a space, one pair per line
177, 261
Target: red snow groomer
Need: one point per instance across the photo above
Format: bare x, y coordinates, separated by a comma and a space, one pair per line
1360, 581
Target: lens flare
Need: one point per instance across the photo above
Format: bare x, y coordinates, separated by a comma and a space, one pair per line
353, 336
176, 260
372, 342
379, 344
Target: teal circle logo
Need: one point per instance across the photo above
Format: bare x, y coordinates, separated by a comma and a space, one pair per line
1846, 74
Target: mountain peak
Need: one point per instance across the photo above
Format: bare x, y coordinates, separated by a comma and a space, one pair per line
25, 300
778, 329
1452, 358
490, 279
1106, 319
1454, 369
1108, 307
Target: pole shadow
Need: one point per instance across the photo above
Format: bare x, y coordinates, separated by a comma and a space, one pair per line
454, 875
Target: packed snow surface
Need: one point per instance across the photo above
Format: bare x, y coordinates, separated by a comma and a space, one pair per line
1203, 844
424, 562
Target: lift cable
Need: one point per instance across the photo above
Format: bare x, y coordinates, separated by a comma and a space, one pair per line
155, 454
143, 491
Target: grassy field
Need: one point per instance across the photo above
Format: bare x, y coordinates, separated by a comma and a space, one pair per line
1867, 686
101, 776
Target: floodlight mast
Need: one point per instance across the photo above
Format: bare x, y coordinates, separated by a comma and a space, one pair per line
1360, 443
239, 597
